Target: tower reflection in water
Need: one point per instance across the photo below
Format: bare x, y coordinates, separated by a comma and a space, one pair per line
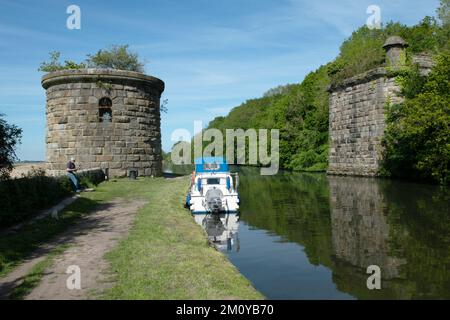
222, 230
344, 224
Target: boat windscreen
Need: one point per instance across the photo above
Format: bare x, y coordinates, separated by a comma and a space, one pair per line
213, 181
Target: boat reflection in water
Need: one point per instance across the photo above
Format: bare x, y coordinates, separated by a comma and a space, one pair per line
222, 230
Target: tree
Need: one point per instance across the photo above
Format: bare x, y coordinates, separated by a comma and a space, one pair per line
417, 139
279, 90
116, 57
443, 12
10, 136
443, 35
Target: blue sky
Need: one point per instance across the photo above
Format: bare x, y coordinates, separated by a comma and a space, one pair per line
212, 54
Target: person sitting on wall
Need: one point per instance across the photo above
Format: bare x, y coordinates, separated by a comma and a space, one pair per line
71, 169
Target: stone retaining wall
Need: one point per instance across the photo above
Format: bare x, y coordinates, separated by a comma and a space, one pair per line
357, 112
357, 123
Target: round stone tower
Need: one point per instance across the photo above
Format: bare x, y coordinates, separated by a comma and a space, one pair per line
104, 118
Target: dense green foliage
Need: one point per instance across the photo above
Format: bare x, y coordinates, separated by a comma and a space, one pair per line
116, 57
301, 114
417, 139
22, 198
364, 49
300, 111
10, 136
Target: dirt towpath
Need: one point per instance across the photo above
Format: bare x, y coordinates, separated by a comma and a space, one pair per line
88, 242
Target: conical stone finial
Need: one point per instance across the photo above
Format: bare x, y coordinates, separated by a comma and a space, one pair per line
395, 51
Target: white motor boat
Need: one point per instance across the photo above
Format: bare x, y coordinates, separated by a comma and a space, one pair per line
213, 187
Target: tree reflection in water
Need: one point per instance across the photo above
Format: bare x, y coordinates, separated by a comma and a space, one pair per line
349, 223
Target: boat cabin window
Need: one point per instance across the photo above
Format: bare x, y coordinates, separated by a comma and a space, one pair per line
211, 166
213, 181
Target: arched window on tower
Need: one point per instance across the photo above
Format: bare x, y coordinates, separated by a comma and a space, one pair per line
105, 110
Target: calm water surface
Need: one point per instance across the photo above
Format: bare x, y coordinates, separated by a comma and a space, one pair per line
312, 236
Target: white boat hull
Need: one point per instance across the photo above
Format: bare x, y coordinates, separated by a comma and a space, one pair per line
230, 205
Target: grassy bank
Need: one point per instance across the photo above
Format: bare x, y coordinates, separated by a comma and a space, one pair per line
166, 255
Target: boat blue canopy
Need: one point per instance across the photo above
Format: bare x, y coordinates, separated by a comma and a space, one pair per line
211, 164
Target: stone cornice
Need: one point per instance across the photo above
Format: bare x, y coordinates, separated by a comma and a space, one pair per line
94, 75
361, 78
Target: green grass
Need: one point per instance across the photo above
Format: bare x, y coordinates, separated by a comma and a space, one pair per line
165, 256
16, 247
32, 279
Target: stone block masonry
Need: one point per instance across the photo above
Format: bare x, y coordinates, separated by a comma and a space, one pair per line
357, 122
103, 118
357, 112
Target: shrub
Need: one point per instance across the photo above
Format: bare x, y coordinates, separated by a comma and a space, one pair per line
55, 65
116, 57
21, 198
91, 177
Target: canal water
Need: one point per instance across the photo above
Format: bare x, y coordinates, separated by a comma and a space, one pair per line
312, 236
